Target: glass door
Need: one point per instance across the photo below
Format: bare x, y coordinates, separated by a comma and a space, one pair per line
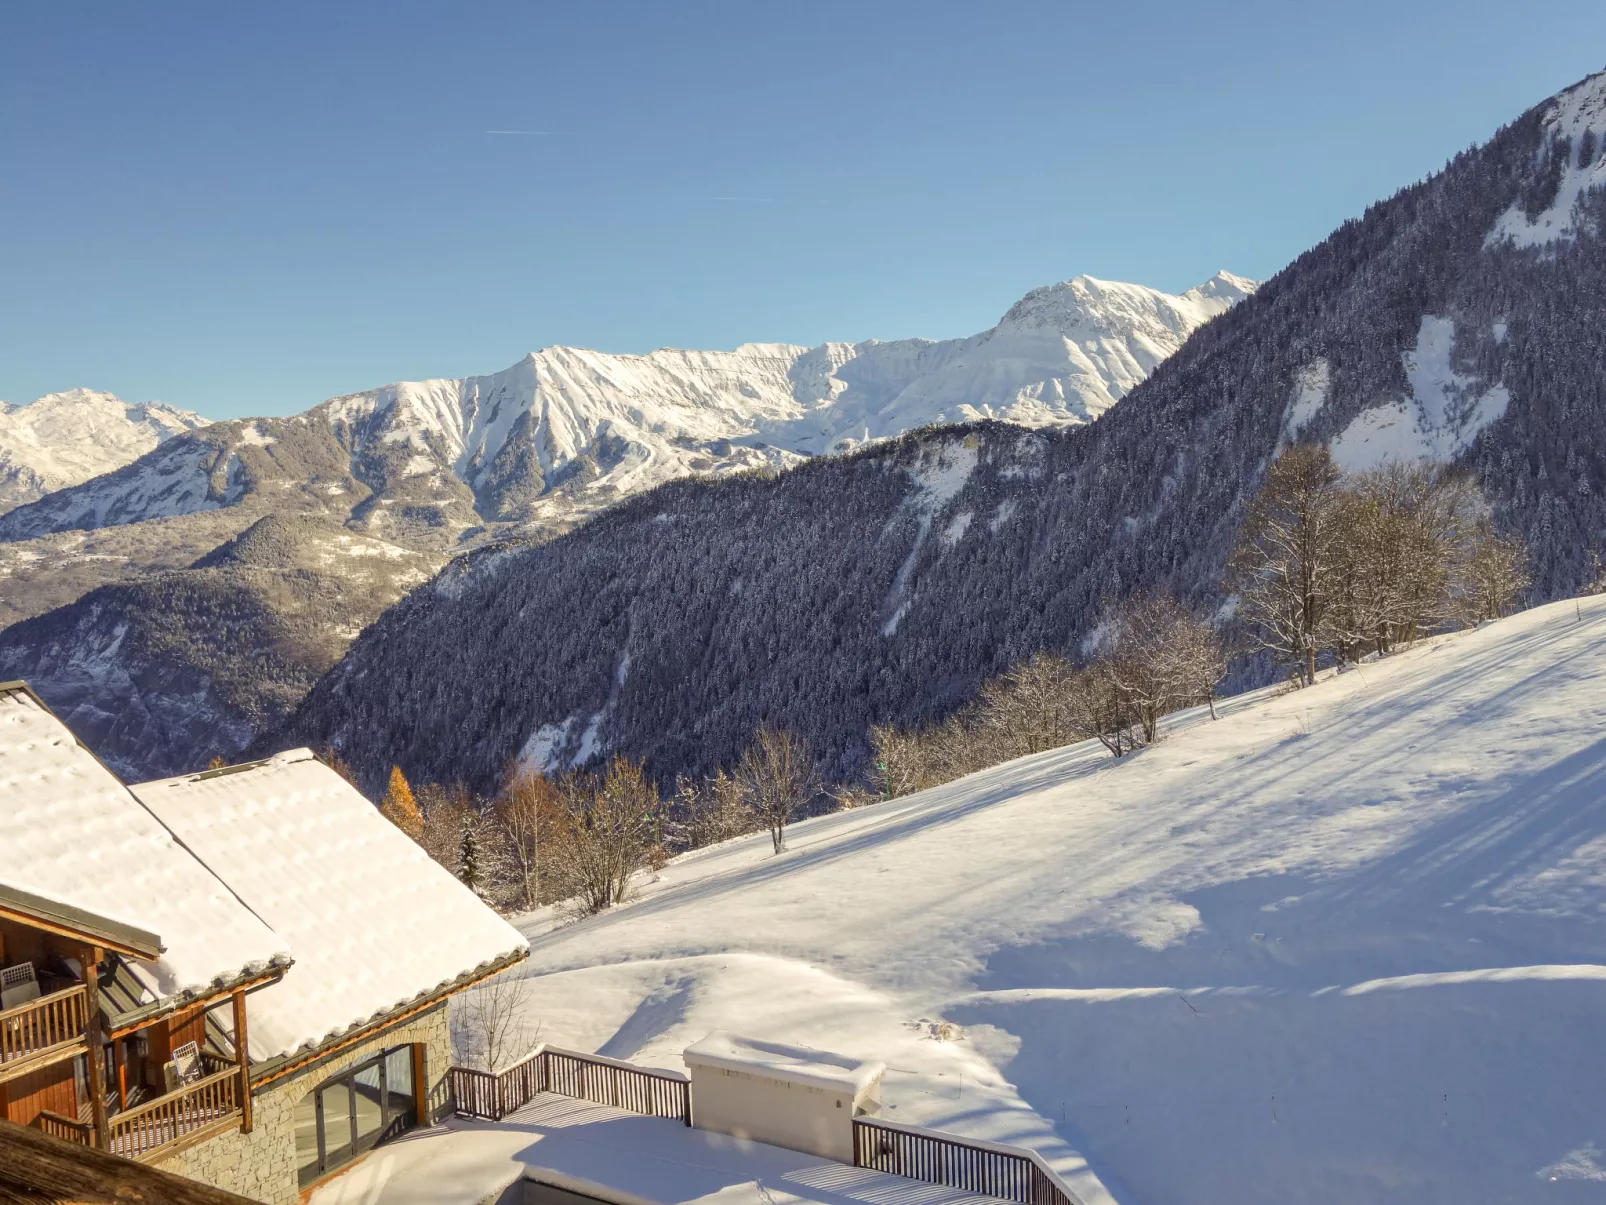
353, 1112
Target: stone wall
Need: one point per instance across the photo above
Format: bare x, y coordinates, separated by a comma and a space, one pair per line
262, 1164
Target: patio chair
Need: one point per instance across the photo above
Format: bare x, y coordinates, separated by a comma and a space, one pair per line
18, 985
185, 1068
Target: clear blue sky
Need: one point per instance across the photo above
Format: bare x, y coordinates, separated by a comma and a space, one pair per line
245, 208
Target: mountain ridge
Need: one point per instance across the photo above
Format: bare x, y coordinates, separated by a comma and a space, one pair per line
64, 439
125, 594
565, 430
885, 586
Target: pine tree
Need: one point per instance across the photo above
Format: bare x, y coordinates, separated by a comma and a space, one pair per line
468, 858
399, 807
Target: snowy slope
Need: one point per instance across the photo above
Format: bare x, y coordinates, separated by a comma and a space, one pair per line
65, 438
1575, 122
1344, 944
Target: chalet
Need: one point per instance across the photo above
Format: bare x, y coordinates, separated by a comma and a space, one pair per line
239, 976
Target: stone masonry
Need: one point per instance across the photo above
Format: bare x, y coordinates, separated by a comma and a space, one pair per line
262, 1164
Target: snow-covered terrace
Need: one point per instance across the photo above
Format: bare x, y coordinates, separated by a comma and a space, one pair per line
599, 1151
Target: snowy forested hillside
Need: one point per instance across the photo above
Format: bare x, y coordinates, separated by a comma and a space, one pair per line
885, 586
1343, 944
178, 666
433, 467
67, 438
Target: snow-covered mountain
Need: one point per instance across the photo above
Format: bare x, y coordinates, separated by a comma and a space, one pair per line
1061, 356
884, 587
66, 438
1343, 944
427, 466
567, 431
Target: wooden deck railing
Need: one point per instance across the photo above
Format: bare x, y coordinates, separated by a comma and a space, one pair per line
66, 1128
622, 1085
972, 1165
142, 1131
570, 1073
964, 1163
44, 1024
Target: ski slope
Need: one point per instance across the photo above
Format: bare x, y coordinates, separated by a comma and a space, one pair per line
1342, 944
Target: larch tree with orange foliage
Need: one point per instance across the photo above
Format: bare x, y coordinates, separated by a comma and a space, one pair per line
400, 808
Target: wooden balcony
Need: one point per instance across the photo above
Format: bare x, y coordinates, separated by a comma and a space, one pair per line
190, 1114
65, 1128
43, 1031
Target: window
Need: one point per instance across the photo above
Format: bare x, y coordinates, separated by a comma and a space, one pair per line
354, 1111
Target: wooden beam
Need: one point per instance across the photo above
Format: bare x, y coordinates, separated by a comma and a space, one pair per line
242, 1058
420, 1087
187, 1011
30, 921
17, 1068
120, 1054
38, 1169
95, 1033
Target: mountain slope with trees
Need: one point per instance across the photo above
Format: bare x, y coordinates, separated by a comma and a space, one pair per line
1462, 320
437, 467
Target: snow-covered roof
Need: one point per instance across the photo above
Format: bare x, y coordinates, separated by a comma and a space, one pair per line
374, 923
775, 1060
75, 840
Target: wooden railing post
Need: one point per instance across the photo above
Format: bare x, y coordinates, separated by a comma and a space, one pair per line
95, 1036
242, 1058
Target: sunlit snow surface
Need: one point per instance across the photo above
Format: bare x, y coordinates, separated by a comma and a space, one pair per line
1439, 420
1342, 944
1576, 111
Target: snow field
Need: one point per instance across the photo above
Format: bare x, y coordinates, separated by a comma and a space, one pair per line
1343, 943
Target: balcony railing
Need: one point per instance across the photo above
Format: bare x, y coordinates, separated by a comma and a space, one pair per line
66, 1128
968, 1164
568, 1072
49, 1023
141, 1132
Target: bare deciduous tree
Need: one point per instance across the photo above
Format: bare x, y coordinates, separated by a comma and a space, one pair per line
522, 812
777, 778
709, 811
1491, 578
1102, 708
490, 1025
898, 764
1026, 709
1400, 529
445, 810
1287, 560
606, 830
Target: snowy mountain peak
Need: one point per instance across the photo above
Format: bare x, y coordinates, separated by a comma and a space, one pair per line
1084, 303
567, 431
63, 439
1224, 286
